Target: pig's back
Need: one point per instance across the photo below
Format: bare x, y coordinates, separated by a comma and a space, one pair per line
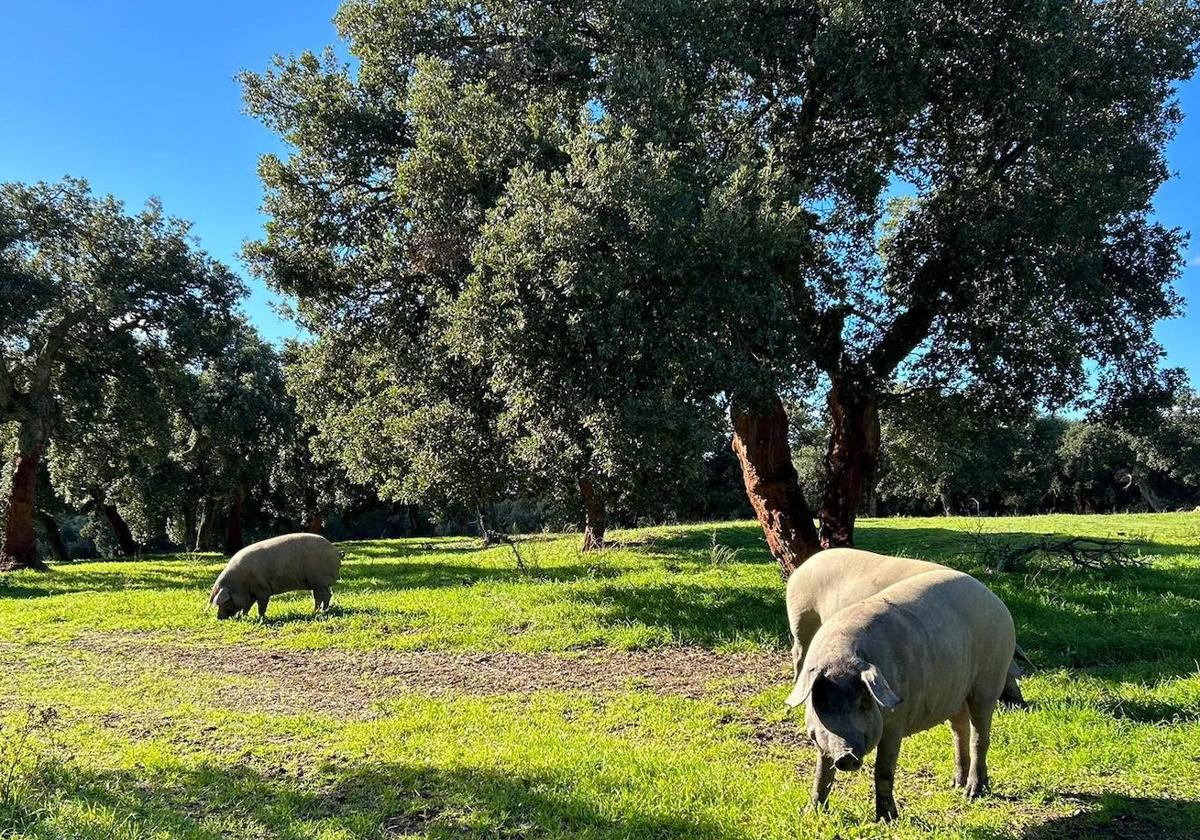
946, 637
833, 579
289, 562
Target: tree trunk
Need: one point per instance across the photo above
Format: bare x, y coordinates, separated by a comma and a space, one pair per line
415, 529
19, 550
1152, 500
189, 526
760, 440
126, 544
595, 515
234, 540
54, 539
485, 535
315, 523
208, 515
850, 461
870, 502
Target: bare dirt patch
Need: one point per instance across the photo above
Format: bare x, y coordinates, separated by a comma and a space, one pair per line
352, 683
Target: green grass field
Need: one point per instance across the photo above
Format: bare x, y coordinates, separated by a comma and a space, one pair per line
636, 692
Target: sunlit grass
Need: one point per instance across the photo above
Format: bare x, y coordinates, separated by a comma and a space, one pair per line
144, 748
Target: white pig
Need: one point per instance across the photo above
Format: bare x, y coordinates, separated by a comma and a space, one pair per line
930, 648
833, 579
280, 564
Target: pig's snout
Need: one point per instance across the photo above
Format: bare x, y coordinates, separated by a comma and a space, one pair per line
848, 762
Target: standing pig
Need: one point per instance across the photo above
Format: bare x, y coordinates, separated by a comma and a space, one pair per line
833, 579
930, 648
281, 564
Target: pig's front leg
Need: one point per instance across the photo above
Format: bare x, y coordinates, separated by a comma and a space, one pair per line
961, 725
321, 596
885, 774
822, 780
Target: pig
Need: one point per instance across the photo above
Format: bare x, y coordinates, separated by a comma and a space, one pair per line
837, 577
929, 648
281, 564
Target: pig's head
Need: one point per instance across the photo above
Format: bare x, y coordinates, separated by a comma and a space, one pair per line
846, 704
229, 602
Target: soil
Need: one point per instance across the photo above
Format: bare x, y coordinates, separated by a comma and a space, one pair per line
351, 683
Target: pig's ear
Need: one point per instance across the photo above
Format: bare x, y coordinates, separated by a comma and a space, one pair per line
803, 687
221, 596
879, 688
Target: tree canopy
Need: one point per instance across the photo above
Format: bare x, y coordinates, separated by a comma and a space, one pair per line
91, 298
774, 198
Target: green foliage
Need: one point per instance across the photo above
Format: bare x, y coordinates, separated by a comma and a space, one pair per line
600, 233
432, 437
94, 303
115, 447
90, 292
949, 452
599, 375
237, 412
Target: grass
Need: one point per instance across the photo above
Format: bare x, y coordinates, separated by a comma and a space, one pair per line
150, 740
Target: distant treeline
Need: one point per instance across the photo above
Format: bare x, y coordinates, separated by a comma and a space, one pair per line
940, 458
942, 455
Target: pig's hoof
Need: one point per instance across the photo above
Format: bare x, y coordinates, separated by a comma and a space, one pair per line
886, 811
977, 788
958, 781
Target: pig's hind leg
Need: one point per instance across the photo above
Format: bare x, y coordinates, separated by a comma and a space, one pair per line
978, 782
961, 726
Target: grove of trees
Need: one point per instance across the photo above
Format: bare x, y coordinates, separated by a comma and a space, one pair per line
614, 219
605, 257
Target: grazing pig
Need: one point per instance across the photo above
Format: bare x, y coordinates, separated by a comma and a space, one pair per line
838, 577
281, 564
930, 648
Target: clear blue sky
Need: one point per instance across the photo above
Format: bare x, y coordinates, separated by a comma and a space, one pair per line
138, 97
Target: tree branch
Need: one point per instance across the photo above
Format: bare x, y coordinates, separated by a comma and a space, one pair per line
912, 326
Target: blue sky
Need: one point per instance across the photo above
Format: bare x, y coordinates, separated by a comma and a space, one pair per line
139, 98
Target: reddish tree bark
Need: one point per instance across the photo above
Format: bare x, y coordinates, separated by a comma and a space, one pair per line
126, 544
234, 541
595, 515
760, 439
20, 541
850, 461
315, 523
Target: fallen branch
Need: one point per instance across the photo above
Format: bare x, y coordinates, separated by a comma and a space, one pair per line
1087, 553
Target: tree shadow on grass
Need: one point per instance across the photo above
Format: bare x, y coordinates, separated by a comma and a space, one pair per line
210, 802
374, 549
1111, 816
691, 615
355, 575
1150, 711
440, 574
1139, 623
186, 575
11, 590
